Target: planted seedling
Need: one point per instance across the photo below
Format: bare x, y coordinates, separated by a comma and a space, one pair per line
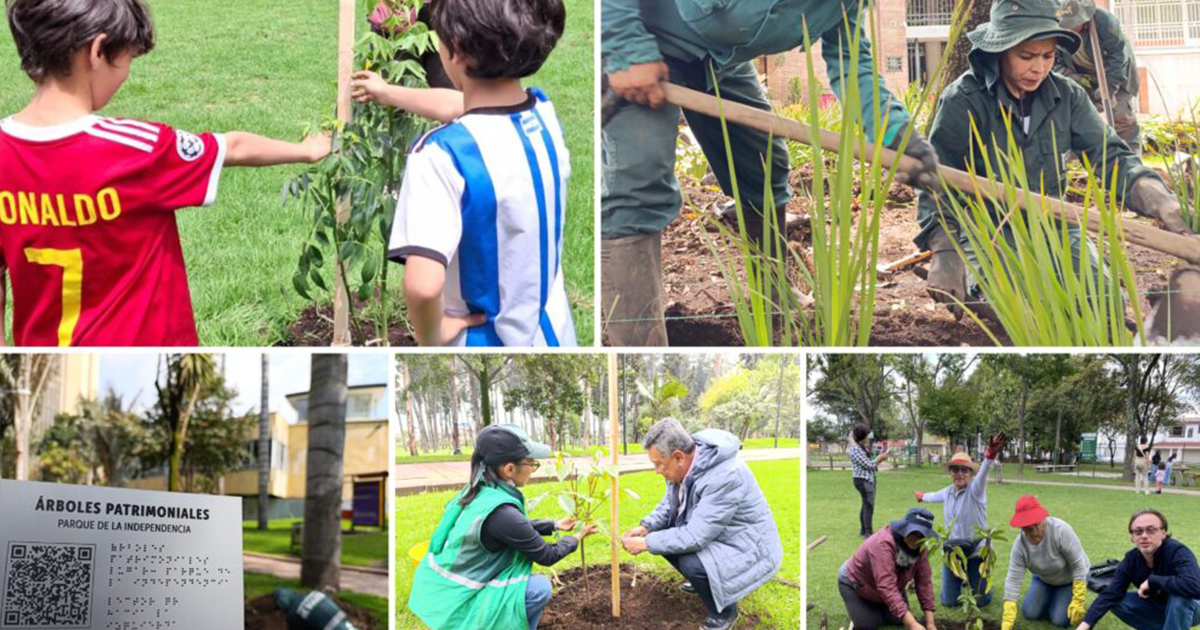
956, 560
586, 490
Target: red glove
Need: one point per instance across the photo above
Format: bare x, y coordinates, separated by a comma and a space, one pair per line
994, 446
920, 496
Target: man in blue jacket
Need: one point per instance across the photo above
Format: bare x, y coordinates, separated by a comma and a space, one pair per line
645, 42
1166, 576
713, 524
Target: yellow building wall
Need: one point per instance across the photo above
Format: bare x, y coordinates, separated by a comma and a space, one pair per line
366, 452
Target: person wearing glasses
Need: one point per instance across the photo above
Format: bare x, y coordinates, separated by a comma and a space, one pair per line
1049, 549
713, 523
478, 572
965, 506
1165, 575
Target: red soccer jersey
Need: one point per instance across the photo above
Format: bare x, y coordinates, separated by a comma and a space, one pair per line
87, 229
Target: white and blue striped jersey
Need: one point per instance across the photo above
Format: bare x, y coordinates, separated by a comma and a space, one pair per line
486, 196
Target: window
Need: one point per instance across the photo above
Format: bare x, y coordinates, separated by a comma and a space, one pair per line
929, 12
1176, 431
359, 405
1160, 22
1191, 431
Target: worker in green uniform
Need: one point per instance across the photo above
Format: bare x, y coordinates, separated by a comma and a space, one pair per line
1010, 78
645, 42
478, 571
1120, 66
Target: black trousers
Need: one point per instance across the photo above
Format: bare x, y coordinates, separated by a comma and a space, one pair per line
689, 565
866, 614
866, 514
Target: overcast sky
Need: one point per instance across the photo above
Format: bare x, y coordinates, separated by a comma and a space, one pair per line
132, 376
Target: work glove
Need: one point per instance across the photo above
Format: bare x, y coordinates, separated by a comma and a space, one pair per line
1151, 198
925, 175
994, 446
947, 273
920, 496
1076, 609
1009, 618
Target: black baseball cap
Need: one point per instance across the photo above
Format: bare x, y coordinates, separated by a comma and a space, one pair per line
501, 443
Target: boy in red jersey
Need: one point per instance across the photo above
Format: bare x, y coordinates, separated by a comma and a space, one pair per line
87, 224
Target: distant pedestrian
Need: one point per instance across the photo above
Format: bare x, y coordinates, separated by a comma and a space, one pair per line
1171, 469
864, 476
1159, 476
1141, 464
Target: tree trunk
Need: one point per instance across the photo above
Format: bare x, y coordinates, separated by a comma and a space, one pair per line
1133, 398
473, 391
1058, 437
1021, 429
956, 58
23, 417
587, 412
485, 391
455, 445
264, 448
408, 413
779, 398
320, 566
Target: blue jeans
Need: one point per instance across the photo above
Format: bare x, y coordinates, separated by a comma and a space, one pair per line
1170, 480
689, 565
537, 595
1180, 613
1043, 601
952, 586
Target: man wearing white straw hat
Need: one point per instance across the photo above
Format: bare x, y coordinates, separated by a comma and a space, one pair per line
965, 507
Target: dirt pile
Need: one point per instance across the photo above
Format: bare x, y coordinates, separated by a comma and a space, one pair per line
263, 614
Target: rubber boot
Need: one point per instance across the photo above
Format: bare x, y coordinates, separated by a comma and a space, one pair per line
1175, 318
631, 299
947, 273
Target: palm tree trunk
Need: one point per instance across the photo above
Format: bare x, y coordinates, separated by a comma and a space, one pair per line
320, 565
264, 448
408, 413
455, 444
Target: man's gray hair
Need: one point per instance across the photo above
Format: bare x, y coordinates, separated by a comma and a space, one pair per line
668, 436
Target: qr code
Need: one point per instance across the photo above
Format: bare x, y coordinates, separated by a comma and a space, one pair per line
48, 585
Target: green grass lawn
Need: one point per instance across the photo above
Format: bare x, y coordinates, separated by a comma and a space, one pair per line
368, 548
1098, 516
777, 604
271, 68
257, 585
444, 455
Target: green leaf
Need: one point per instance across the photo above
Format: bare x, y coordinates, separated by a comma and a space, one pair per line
369, 269
532, 502
631, 493
300, 283
318, 280
566, 503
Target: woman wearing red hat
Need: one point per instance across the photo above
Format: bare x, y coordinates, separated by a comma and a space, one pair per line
1049, 549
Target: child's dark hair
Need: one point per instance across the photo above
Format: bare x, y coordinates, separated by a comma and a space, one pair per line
505, 39
491, 477
48, 33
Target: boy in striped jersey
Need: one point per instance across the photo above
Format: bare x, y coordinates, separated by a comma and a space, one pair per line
87, 229
479, 221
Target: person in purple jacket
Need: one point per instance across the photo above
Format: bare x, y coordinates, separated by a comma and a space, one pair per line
874, 580
1165, 574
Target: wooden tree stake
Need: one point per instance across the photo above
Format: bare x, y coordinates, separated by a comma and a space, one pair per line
341, 300
615, 525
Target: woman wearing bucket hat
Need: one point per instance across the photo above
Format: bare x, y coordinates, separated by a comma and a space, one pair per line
1010, 86
965, 502
1049, 549
874, 581
1116, 59
478, 572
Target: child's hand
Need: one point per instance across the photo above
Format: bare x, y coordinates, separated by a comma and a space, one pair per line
367, 87
453, 325
317, 146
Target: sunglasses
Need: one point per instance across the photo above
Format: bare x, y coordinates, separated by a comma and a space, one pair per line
1149, 531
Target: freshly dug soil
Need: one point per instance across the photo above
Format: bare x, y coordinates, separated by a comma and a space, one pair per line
314, 327
262, 614
655, 604
988, 624
699, 310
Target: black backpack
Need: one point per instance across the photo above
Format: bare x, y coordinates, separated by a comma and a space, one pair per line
1101, 575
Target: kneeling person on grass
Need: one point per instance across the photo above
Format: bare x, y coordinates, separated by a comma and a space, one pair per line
1051, 551
874, 581
479, 221
1166, 577
87, 222
713, 524
478, 572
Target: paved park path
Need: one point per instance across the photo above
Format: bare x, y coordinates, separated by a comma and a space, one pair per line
1101, 486
436, 476
357, 579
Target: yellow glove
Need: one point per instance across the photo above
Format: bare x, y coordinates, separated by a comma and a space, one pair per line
1010, 615
1076, 609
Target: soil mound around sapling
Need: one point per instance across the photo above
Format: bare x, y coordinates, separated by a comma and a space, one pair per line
988, 624
263, 614
654, 603
314, 327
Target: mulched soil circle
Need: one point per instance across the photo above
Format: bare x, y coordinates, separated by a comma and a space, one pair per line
263, 614
314, 327
654, 604
700, 312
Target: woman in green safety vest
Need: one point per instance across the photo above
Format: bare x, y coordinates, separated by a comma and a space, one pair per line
478, 572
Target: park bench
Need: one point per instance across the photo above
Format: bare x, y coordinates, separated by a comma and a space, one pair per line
1190, 478
1050, 468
